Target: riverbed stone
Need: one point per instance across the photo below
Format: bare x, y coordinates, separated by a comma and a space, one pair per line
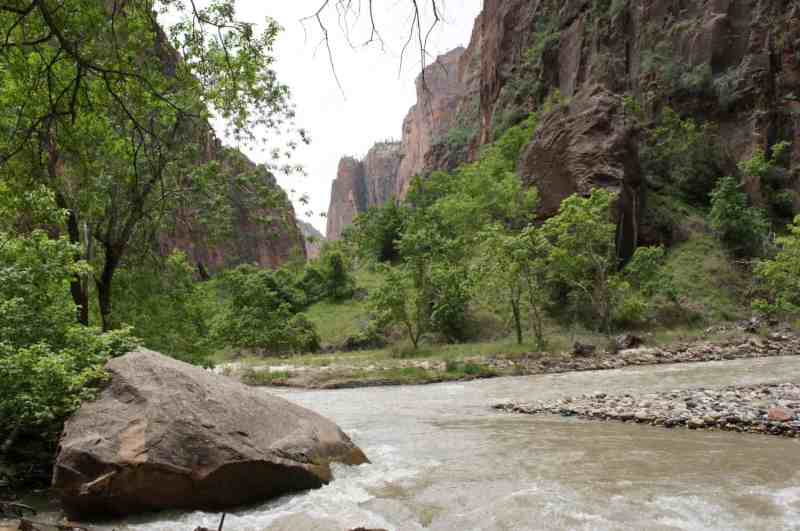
780, 414
759, 408
164, 434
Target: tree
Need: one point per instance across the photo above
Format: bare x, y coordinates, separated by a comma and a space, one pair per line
263, 314
513, 272
377, 231
109, 111
740, 227
48, 363
780, 276
582, 252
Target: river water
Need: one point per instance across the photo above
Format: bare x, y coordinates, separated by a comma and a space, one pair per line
442, 459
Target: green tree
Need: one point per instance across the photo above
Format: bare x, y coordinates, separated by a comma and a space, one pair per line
263, 314
684, 154
377, 231
780, 275
742, 228
109, 111
512, 273
582, 253
48, 363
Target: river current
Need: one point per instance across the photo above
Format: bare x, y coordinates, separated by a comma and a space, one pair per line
442, 459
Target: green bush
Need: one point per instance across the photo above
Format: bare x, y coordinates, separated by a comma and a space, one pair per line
48, 363
684, 154
168, 308
780, 276
262, 314
742, 228
377, 231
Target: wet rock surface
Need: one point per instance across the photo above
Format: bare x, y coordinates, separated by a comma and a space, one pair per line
770, 409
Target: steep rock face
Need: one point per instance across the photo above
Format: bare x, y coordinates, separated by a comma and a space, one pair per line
585, 145
266, 235
360, 185
348, 197
168, 435
735, 63
441, 90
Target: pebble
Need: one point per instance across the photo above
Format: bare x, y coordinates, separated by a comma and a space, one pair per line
767, 408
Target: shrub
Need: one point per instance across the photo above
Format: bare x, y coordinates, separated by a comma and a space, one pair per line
48, 363
377, 231
684, 154
167, 308
741, 228
780, 276
262, 314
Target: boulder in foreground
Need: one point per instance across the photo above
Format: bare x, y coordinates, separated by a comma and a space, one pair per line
167, 435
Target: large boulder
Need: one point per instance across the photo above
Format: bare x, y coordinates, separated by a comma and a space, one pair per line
582, 146
167, 435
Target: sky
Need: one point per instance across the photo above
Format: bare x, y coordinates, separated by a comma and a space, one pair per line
375, 93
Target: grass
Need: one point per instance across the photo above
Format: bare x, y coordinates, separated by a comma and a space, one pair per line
708, 283
337, 321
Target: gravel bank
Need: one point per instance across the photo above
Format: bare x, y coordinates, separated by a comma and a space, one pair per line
770, 409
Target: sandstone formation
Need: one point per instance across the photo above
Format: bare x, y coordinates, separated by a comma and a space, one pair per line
736, 64
265, 235
585, 145
447, 99
165, 434
360, 185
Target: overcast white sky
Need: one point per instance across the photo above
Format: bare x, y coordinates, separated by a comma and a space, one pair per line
376, 95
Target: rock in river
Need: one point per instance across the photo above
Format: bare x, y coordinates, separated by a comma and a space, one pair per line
167, 435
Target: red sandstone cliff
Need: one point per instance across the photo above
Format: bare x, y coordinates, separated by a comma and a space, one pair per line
736, 63
360, 185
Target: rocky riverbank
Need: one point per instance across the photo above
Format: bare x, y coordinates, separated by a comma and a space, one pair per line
336, 373
770, 409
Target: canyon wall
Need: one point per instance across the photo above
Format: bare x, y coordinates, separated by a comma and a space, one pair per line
581, 64
252, 226
361, 184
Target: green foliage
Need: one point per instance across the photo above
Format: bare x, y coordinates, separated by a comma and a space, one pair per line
48, 363
399, 302
742, 228
512, 276
582, 255
377, 231
676, 77
335, 272
111, 114
168, 308
684, 154
780, 276
262, 313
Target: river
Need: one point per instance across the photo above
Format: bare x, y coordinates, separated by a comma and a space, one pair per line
442, 459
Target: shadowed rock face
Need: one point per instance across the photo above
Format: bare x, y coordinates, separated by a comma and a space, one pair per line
585, 145
267, 236
168, 435
739, 63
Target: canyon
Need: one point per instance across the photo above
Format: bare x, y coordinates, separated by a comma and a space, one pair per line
733, 64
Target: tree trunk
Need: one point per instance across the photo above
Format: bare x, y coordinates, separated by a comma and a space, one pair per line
517, 318
77, 286
104, 285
